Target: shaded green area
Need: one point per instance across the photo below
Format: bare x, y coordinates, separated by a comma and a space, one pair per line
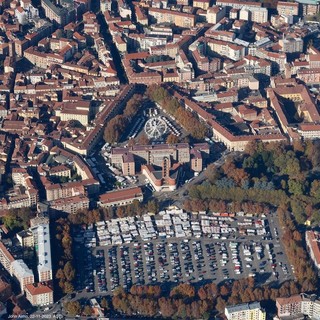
271, 174
18, 219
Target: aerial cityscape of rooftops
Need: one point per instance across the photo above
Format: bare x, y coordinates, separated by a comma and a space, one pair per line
160, 159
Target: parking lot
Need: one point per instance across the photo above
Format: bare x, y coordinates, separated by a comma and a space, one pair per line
189, 260
180, 247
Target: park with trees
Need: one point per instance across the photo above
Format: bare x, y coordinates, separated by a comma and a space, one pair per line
117, 126
188, 120
265, 176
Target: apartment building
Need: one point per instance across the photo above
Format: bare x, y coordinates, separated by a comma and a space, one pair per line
279, 58
201, 62
120, 197
259, 15
22, 273
16, 268
60, 171
227, 49
41, 234
21, 15
6, 258
180, 19
291, 44
18, 175
60, 15
58, 191
202, 4
255, 14
215, 14
238, 4
309, 7
299, 305
245, 311
30, 196
309, 130
70, 204
309, 76
39, 294
91, 25
287, 8
25, 238
42, 60
105, 5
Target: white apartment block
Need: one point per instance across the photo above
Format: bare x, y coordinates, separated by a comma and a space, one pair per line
259, 15
22, 273
245, 311
41, 235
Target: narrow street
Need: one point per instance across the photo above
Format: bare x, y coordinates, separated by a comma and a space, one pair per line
114, 51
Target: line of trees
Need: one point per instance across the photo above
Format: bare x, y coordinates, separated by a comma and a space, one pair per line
292, 239
197, 129
117, 125
74, 308
217, 205
136, 208
186, 301
66, 272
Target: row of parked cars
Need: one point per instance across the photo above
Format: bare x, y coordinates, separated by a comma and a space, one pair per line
151, 264
211, 254
162, 259
187, 259
171, 127
223, 251
138, 264
89, 272
175, 262
125, 267
113, 268
101, 271
199, 258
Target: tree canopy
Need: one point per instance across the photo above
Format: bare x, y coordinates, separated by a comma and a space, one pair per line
187, 119
267, 174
